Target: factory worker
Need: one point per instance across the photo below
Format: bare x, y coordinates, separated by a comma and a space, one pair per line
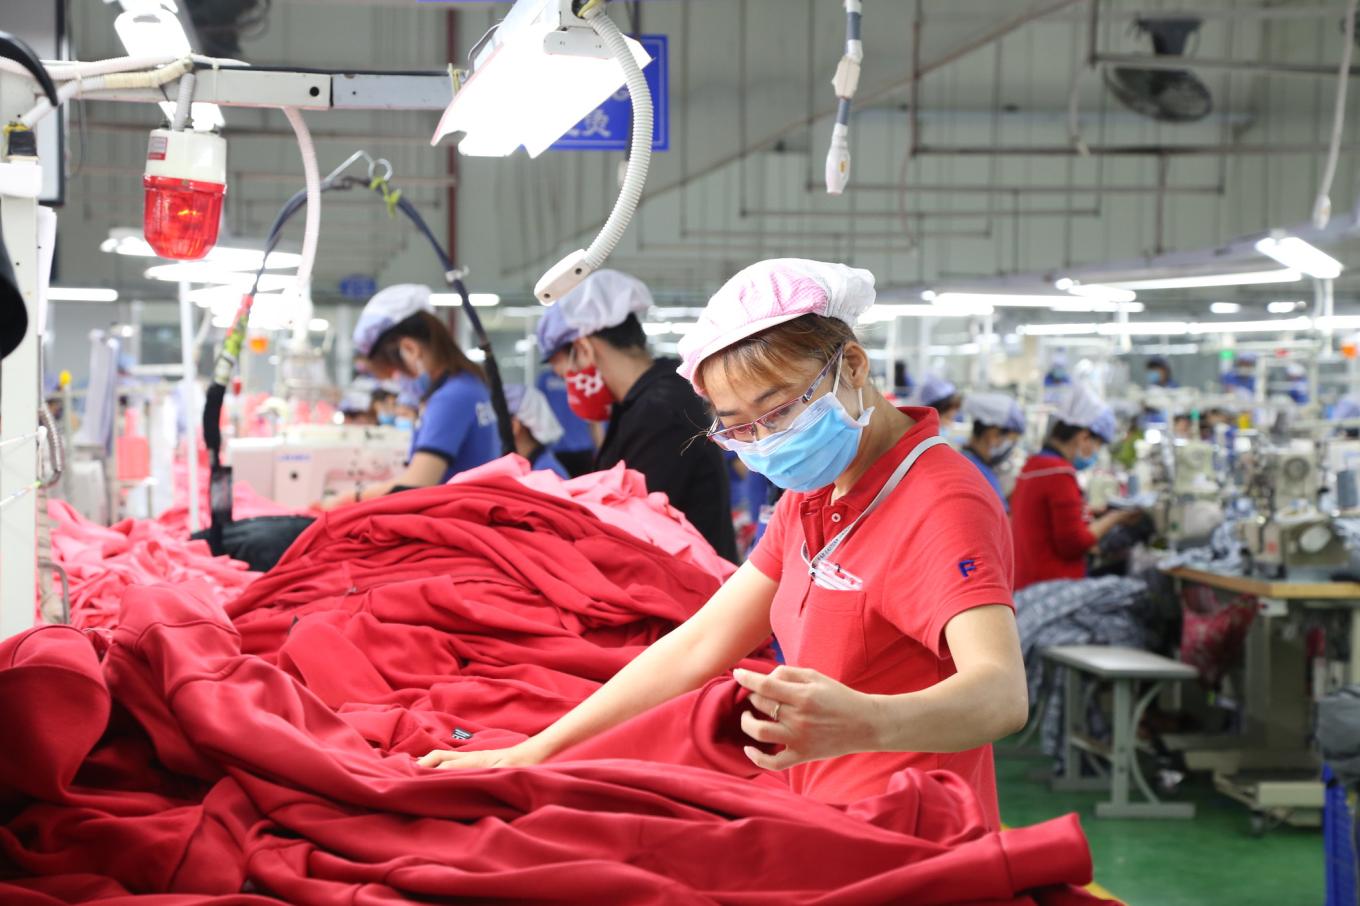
941, 395
356, 405
1241, 379
575, 449
885, 574
998, 423
1159, 373
594, 341
536, 428
1048, 513
1297, 376
399, 337
385, 403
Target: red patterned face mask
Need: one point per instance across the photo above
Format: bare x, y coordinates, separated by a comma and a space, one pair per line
587, 394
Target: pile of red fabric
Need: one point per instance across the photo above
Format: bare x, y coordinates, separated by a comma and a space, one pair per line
263, 749
102, 563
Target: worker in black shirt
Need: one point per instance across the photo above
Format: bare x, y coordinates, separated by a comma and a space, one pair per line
593, 339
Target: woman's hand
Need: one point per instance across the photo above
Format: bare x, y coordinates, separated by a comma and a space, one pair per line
811, 715
515, 756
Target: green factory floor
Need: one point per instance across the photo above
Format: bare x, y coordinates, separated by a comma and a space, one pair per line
1205, 861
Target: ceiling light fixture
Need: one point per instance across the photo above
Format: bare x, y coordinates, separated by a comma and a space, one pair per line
1225, 308
1293, 252
1241, 278
80, 294
453, 300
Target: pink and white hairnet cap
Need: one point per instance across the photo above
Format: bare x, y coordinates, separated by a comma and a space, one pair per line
603, 300
769, 293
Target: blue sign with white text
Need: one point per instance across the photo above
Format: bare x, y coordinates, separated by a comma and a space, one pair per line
358, 286
606, 128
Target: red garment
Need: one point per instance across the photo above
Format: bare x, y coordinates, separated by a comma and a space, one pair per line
619, 497
202, 756
935, 547
101, 563
1049, 522
287, 797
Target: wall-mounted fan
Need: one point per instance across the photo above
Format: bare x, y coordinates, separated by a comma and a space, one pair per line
1168, 95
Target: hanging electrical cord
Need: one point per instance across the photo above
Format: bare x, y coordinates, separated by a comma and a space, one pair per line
574, 268
221, 495
1322, 206
846, 83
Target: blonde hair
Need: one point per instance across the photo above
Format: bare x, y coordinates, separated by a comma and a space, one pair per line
765, 357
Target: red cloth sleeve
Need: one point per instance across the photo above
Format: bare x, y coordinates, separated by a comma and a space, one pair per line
961, 558
1067, 525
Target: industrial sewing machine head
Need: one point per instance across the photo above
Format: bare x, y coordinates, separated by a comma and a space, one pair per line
1289, 534
307, 462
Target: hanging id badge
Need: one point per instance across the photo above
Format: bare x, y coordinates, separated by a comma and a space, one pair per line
830, 575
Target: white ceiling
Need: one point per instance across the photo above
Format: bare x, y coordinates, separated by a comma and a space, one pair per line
750, 102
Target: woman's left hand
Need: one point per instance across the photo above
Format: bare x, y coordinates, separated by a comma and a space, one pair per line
811, 715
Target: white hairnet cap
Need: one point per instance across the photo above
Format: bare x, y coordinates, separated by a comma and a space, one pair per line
602, 300
531, 408
936, 389
386, 310
996, 410
1082, 408
769, 293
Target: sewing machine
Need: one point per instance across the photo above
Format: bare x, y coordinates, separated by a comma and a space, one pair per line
1290, 534
307, 462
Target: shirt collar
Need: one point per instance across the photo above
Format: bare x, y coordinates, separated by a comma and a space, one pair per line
877, 475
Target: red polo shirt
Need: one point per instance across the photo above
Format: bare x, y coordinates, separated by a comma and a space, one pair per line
937, 546
1048, 514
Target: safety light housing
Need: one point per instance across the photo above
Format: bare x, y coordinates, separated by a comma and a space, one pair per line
185, 182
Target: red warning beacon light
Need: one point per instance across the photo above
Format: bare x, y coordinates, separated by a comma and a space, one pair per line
185, 182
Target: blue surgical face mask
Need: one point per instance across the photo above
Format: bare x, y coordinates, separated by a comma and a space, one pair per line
1001, 453
812, 452
404, 422
1082, 463
1154, 378
387, 418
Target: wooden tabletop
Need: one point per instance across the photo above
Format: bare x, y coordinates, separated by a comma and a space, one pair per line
1266, 588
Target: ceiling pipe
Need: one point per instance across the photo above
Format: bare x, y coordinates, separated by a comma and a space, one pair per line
865, 97
975, 189
1122, 150
1143, 61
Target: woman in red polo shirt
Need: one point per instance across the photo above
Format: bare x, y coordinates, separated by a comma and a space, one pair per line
885, 573
1052, 533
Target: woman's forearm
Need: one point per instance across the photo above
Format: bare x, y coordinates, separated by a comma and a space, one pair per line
729, 627
963, 712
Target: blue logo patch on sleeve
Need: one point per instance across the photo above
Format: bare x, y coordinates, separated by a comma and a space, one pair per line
967, 568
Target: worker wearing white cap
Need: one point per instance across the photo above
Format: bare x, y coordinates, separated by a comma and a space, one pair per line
941, 395
398, 336
885, 574
535, 427
998, 423
1048, 513
593, 339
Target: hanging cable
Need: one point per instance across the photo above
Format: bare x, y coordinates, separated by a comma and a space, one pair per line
574, 268
846, 83
1322, 206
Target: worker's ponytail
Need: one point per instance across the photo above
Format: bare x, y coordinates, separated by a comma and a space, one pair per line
445, 357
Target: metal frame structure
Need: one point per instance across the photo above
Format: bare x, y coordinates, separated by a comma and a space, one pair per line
20, 181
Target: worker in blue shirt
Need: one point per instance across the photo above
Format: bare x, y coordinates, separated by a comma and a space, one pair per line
1158, 372
576, 447
399, 335
998, 423
535, 427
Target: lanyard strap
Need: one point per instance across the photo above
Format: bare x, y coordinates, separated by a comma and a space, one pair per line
893, 481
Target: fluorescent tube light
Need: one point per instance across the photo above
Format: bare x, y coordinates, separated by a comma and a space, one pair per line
318, 325
1056, 330
1225, 308
1284, 307
1050, 302
1282, 325
453, 300
1242, 278
538, 75
125, 241
1099, 291
80, 294
1293, 252
1145, 329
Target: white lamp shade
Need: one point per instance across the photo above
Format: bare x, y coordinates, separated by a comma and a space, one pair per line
522, 95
